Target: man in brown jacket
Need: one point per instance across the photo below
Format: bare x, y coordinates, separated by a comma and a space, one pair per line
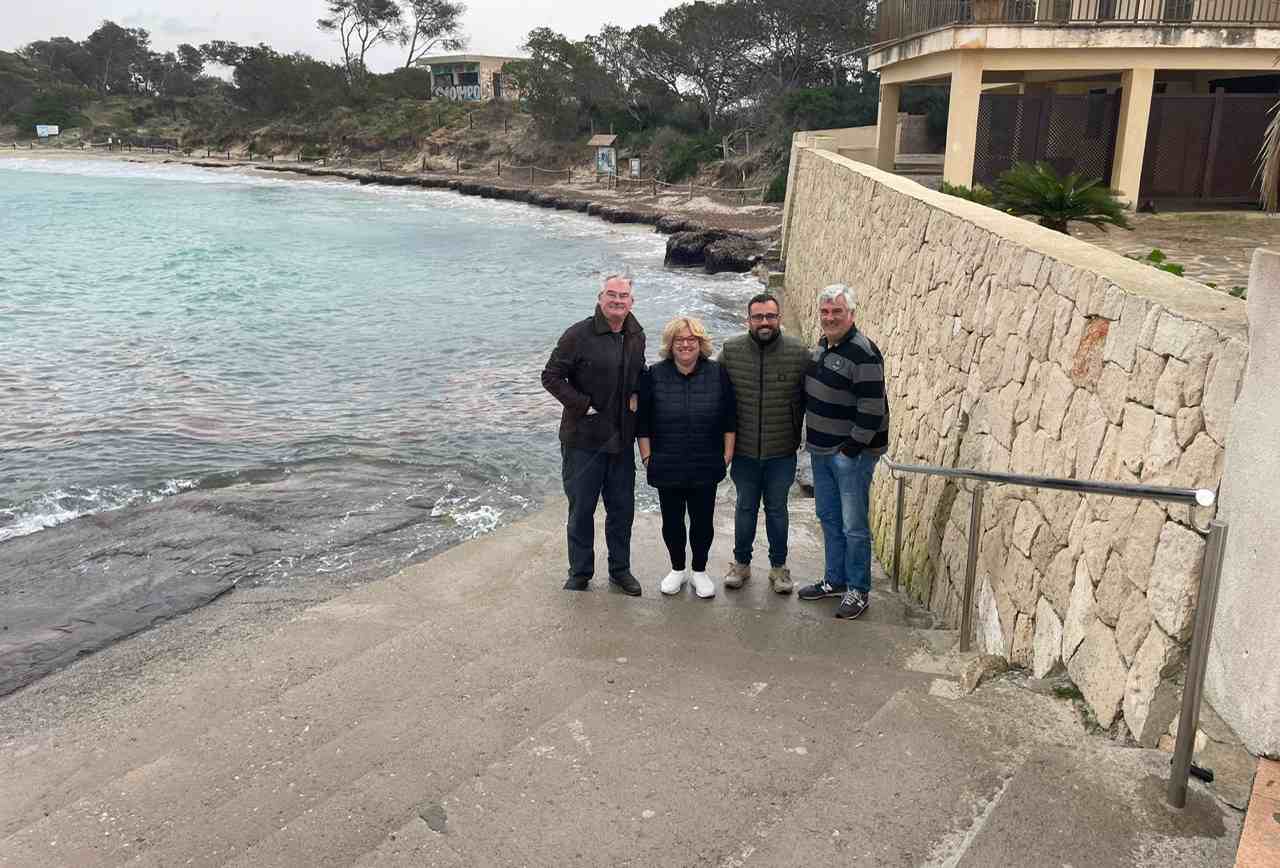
594, 371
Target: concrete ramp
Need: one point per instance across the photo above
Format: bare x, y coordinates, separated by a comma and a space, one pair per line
469, 712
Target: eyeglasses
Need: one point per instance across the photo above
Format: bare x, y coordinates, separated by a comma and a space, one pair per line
685, 342
764, 317
617, 296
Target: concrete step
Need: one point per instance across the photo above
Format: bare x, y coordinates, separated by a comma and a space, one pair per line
444, 611
467, 711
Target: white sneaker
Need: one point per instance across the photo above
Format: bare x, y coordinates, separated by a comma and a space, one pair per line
702, 585
672, 583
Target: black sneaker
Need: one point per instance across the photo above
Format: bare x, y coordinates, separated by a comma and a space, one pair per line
821, 589
852, 604
577, 583
626, 583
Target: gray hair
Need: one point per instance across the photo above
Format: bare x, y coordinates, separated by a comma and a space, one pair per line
615, 273
840, 291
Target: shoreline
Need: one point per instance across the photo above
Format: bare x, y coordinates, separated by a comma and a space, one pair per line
745, 238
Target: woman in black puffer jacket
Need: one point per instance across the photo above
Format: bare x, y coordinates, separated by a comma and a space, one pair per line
687, 421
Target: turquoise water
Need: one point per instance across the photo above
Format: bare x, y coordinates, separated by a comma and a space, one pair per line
212, 380
165, 328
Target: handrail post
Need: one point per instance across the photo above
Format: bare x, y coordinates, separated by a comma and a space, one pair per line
897, 532
1197, 660
971, 566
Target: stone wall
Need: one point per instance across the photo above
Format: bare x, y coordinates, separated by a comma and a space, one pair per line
1012, 348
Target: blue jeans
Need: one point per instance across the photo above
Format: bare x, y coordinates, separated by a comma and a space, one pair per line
772, 479
587, 475
842, 490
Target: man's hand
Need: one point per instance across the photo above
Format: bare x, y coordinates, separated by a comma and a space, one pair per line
634, 403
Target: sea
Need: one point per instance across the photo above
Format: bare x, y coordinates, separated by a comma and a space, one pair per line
211, 378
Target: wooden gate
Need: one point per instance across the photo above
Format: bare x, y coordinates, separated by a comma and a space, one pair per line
1205, 147
1071, 133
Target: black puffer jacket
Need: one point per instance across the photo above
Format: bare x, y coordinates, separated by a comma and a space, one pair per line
685, 417
594, 367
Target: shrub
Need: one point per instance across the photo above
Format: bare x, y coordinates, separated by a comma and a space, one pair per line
1157, 259
976, 193
1039, 191
777, 189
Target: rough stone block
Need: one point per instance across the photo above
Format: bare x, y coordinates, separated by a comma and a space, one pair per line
1140, 543
1150, 698
1057, 581
1019, 582
1135, 435
1080, 612
1031, 395
1163, 452
1023, 642
1016, 362
981, 668
1147, 369
1047, 646
1201, 464
1134, 624
1112, 592
1174, 335
1026, 523
1222, 384
1098, 671
1175, 579
1188, 423
1113, 392
1122, 338
990, 631
1168, 399
1058, 391
1086, 368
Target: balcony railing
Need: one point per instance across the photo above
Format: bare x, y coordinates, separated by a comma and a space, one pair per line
900, 19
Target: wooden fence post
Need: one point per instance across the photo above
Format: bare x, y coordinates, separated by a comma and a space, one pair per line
531, 181
424, 162
458, 164
690, 191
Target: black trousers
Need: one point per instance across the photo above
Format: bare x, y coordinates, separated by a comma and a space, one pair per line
587, 474
699, 503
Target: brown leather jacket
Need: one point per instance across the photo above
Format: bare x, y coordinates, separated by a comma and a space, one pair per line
593, 367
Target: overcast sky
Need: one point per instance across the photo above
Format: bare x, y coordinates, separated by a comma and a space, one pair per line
492, 26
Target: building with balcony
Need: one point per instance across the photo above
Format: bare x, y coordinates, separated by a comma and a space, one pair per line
1166, 100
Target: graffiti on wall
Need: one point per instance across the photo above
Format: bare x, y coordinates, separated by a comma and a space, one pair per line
458, 91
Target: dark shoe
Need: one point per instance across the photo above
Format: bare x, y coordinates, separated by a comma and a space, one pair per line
626, 583
577, 583
818, 590
852, 604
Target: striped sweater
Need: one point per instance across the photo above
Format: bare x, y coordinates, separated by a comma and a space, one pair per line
846, 405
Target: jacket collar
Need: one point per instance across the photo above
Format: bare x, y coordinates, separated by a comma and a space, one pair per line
853, 330
600, 323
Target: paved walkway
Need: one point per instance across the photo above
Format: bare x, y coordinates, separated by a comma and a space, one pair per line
468, 712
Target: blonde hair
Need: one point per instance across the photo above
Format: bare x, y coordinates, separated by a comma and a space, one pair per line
695, 328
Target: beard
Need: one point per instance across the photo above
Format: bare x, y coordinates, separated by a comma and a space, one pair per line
764, 334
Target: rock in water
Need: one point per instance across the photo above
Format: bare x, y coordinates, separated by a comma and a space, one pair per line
732, 254
686, 248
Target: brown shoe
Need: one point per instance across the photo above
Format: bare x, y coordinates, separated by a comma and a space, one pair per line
736, 574
780, 580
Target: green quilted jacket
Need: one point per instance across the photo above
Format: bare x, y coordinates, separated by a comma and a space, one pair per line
769, 382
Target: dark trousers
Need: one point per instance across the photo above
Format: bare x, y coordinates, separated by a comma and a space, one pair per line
698, 502
769, 479
587, 474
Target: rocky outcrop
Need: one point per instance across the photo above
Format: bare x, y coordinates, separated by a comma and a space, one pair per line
686, 249
734, 253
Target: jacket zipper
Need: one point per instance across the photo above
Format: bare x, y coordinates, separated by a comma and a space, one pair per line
760, 413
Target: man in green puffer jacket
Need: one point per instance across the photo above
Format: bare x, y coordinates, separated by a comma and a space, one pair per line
767, 369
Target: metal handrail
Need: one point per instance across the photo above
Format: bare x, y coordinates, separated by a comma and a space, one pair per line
1206, 601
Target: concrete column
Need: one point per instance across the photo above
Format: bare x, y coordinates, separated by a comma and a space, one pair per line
1131, 136
887, 127
1243, 676
962, 118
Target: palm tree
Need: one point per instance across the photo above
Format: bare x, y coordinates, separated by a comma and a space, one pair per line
1039, 191
1269, 163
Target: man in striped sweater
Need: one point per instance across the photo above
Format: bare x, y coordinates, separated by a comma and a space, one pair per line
847, 422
